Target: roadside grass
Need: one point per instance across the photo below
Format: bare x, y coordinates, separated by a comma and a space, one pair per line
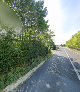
18, 72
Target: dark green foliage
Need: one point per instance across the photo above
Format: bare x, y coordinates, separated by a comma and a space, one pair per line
19, 52
7, 52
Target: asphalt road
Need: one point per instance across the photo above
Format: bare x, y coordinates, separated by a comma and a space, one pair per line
56, 75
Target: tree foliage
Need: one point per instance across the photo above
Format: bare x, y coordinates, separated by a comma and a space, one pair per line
74, 42
18, 49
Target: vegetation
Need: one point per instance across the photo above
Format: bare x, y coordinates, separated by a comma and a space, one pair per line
21, 50
74, 42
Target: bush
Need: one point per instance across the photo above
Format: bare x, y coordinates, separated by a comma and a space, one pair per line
17, 56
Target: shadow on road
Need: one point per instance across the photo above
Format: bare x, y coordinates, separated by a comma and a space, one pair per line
56, 75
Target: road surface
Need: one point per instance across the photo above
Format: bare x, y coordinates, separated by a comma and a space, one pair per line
59, 74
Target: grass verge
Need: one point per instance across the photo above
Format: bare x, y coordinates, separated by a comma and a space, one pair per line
18, 72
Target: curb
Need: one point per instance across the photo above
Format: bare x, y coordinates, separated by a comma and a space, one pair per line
22, 79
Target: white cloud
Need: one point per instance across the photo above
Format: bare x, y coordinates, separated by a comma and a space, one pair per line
64, 18
56, 19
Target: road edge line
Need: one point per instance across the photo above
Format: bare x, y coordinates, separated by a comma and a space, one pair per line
73, 65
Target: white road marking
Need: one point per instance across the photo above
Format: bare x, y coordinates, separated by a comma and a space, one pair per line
60, 91
73, 65
58, 83
48, 85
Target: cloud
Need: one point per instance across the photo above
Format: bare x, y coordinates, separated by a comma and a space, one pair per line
64, 18
56, 18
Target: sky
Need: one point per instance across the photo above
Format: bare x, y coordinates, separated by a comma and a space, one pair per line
64, 18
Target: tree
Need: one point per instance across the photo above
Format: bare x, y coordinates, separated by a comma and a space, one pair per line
74, 42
